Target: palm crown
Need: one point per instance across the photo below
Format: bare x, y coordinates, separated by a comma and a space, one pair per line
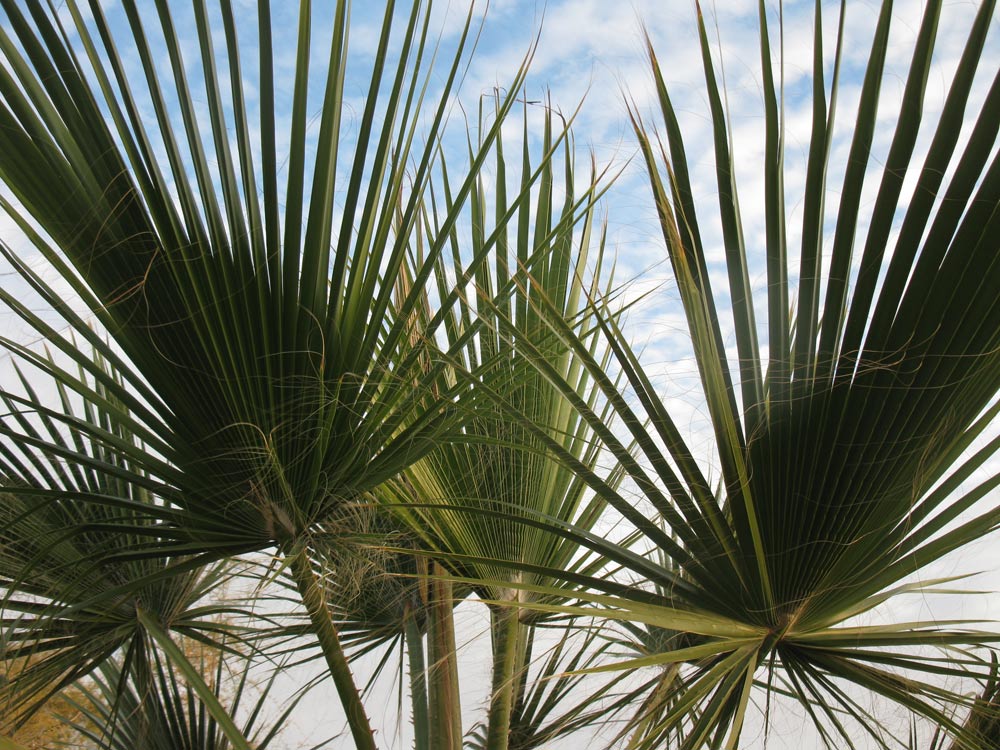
335, 365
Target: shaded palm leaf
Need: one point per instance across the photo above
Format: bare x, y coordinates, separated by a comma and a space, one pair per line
267, 369
271, 359
169, 715
72, 580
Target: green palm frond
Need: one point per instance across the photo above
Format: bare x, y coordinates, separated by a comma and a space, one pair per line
169, 714
71, 574
845, 449
981, 723
556, 254
487, 496
309, 338
268, 369
267, 351
557, 697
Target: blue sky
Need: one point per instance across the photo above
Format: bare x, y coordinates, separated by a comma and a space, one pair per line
590, 54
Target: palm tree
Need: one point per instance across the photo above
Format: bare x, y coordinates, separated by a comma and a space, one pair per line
483, 503
306, 372
843, 444
260, 354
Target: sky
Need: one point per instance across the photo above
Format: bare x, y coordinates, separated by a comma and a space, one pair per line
589, 58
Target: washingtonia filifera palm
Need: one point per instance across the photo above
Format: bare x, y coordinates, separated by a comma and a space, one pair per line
481, 504
844, 445
169, 714
260, 352
76, 591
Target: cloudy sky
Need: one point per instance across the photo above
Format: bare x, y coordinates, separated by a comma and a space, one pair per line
590, 55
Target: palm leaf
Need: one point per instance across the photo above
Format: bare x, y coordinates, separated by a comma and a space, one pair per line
844, 449
114, 716
72, 575
263, 356
467, 500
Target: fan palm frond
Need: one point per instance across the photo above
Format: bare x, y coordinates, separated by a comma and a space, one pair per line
844, 444
481, 503
268, 371
74, 582
169, 714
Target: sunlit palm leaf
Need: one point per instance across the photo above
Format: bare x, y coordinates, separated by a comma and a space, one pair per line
467, 497
468, 500
844, 450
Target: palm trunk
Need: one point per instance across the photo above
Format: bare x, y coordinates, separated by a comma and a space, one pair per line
525, 648
326, 634
142, 678
418, 682
445, 702
506, 630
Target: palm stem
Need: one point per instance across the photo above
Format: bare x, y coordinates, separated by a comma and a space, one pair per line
445, 701
142, 675
505, 627
418, 682
326, 634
